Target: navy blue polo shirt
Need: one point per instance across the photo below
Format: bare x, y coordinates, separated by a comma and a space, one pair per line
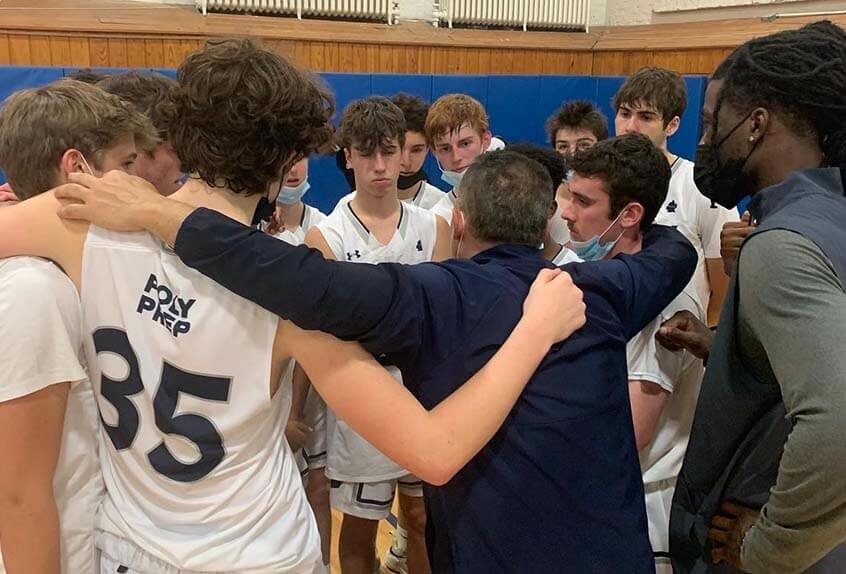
558, 488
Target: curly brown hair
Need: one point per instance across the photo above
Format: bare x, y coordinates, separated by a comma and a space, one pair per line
371, 122
243, 114
38, 125
632, 169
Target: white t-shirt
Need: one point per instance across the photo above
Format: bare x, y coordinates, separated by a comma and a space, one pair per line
41, 331
698, 219
677, 372
311, 216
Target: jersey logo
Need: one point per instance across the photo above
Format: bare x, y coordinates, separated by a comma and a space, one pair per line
167, 309
419, 245
671, 207
355, 254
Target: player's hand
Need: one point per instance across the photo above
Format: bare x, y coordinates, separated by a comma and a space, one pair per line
116, 201
728, 528
684, 331
297, 433
731, 238
554, 306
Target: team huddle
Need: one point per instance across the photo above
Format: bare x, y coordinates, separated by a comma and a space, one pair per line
201, 366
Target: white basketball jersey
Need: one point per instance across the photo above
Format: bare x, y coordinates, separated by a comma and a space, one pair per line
350, 458
444, 205
698, 219
565, 256
196, 466
677, 372
427, 197
311, 216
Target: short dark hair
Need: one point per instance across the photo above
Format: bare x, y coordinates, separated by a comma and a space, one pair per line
371, 122
549, 159
87, 76
577, 115
149, 92
505, 197
414, 109
800, 73
632, 168
660, 88
242, 113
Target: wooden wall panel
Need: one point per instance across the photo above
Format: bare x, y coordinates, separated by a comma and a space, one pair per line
39, 48
98, 52
140, 51
4, 48
80, 51
154, 53
19, 50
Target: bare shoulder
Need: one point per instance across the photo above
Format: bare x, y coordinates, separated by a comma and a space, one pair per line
33, 227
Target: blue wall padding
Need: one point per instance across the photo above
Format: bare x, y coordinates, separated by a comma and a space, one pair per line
518, 107
476, 86
515, 103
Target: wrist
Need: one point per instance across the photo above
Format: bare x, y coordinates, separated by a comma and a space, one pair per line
533, 334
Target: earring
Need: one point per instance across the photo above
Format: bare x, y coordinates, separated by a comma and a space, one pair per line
751, 138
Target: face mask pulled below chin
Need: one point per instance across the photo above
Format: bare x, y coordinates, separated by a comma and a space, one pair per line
593, 249
451, 177
721, 182
291, 195
407, 181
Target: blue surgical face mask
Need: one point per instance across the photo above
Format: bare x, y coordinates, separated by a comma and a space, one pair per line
451, 177
592, 249
291, 195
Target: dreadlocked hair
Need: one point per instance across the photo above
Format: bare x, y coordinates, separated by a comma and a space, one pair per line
801, 73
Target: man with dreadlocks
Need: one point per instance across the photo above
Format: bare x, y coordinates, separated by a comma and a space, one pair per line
761, 488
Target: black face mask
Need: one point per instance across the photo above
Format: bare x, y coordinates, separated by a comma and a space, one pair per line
407, 181
721, 182
264, 210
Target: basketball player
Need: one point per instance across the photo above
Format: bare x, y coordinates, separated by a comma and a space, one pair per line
372, 226
651, 102
149, 93
458, 131
306, 428
50, 480
186, 374
615, 194
412, 183
576, 126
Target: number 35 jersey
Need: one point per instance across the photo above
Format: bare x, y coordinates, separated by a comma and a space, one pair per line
197, 470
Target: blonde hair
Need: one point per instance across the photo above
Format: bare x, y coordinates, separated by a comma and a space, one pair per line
38, 125
452, 111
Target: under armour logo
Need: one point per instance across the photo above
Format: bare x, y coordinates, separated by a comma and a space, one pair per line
419, 245
355, 254
671, 207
